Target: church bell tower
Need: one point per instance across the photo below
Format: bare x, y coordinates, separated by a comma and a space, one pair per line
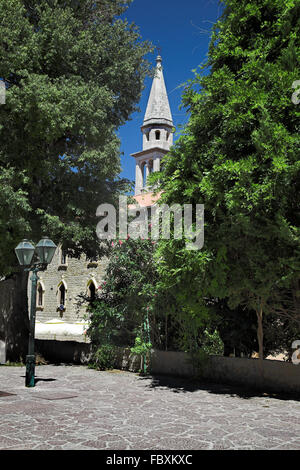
157, 130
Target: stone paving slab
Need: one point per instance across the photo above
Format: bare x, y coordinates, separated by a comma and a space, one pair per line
76, 408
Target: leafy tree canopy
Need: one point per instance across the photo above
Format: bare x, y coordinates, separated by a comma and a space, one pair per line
239, 156
133, 307
74, 72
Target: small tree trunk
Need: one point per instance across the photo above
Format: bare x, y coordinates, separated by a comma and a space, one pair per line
166, 333
260, 338
296, 296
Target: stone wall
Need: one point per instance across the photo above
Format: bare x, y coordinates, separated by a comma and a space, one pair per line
14, 321
278, 376
80, 353
71, 352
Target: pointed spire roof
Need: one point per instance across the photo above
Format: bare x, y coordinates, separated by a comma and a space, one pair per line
158, 108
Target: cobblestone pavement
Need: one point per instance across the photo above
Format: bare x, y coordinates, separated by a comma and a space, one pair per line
73, 407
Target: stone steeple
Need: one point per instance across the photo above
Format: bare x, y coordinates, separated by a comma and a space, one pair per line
157, 131
158, 108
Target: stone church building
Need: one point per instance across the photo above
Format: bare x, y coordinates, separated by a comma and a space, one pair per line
59, 315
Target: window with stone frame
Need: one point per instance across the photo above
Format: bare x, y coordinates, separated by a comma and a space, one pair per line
62, 295
91, 291
40, 296
63, 257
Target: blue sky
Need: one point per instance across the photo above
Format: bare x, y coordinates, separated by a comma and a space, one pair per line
182, 30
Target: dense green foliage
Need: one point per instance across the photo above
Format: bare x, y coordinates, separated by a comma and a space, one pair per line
125, 298
133, 309
74, 72
104, 357
239, 156
238, 331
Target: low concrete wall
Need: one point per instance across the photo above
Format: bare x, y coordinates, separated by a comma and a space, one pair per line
63, 351
2, 352
80, 353
277, 376
171, 363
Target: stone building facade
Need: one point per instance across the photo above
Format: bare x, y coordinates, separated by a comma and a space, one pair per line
60, 315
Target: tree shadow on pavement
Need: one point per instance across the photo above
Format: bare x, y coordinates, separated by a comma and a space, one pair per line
183, 385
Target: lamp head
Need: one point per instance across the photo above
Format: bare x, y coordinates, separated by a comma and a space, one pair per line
24, 252
45, 250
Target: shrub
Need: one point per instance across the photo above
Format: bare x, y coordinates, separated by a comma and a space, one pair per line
105, 357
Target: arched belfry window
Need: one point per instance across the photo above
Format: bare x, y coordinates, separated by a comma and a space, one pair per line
157, 135
144, 176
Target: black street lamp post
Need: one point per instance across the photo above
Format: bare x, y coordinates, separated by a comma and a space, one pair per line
25, 251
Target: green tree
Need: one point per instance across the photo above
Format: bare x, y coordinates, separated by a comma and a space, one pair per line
237, 329
239, 156
131, 302
74, 71
125, 300
133, 308
124, 314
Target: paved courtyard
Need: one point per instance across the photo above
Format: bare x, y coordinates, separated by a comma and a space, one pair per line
73, 407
